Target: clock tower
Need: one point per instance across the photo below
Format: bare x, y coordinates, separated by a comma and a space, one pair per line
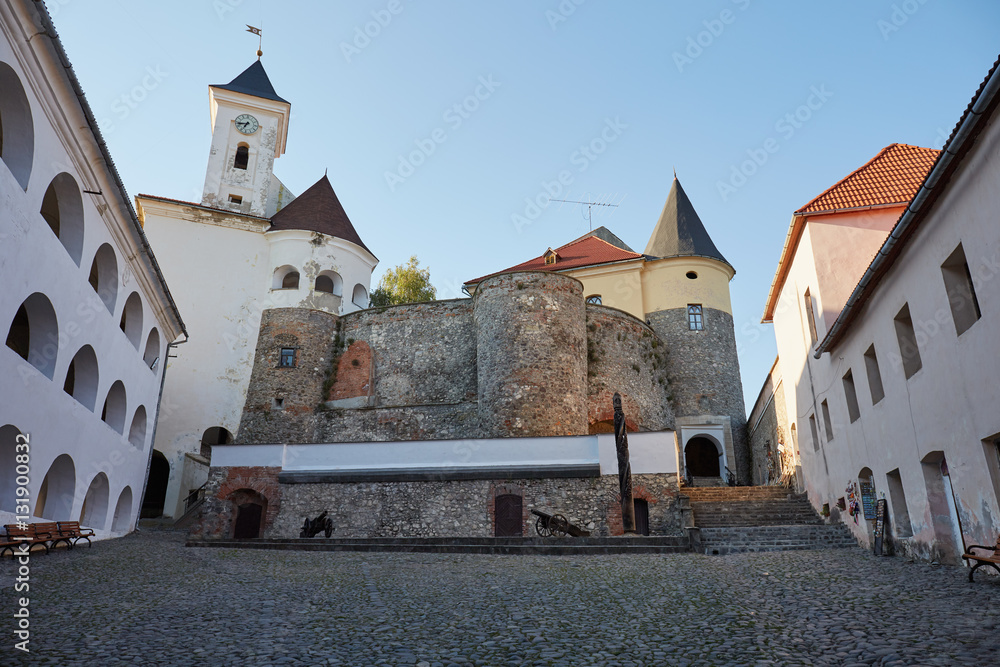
249, 130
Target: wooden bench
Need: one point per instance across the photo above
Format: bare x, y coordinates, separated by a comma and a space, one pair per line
993, 560
34, 534
71, 530
8, 544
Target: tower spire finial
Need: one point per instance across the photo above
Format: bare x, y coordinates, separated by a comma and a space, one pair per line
675, 173
260, 39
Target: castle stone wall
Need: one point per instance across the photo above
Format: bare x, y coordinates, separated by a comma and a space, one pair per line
705, 373
435, 508
298, 388
532, 355
625, 356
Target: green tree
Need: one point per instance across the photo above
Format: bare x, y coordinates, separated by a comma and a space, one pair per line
407, 283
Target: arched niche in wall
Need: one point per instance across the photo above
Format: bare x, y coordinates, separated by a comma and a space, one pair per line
62, 209
330, 282
131, 322
9, 466
94, 512
104, 276
152, 350
137, 431
55, 497
360, 296
122, 519
82, 377
285, 277
17, 130
113, 413
34, 333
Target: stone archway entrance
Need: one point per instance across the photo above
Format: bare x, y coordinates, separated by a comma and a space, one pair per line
247, 525
249, 510
701, 458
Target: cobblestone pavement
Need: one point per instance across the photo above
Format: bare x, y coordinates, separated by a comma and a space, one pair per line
147, 600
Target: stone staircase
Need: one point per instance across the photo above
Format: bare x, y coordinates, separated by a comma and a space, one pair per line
759, 518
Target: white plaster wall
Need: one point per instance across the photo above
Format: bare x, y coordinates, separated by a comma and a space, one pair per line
949, 405
310, 253
649, 453
220, 278
33, 260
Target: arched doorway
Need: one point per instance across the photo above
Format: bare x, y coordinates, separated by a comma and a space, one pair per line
701, 458
249, 509
156, 487
507, 518
215, 435
641, 516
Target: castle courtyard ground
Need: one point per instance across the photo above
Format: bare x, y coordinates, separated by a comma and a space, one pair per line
147, 600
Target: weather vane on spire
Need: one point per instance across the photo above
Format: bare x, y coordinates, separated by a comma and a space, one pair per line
260, 39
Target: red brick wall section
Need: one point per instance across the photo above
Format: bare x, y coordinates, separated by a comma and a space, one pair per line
354, 372
639, 492
260, 479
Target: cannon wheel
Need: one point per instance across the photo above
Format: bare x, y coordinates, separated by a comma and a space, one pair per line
542, 527
558, 525
328, 529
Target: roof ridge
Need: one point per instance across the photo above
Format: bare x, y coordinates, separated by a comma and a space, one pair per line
596, 238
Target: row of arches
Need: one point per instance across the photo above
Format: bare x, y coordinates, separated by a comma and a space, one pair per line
287, 277
62, 204
34, 335
57, 494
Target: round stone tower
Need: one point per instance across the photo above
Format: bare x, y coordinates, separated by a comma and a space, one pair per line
687, 302
532, 355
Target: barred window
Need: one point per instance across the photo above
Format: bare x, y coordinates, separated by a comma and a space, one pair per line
696, 320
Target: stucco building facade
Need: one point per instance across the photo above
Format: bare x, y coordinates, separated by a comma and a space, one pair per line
885, 309
86, 314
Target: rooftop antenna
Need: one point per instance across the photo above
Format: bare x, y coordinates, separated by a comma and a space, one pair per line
590, 207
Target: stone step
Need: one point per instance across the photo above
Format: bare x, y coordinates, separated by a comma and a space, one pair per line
529, 545
721, 541
696, 494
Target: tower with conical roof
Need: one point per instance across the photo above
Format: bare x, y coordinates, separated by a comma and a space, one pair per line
686, 288
249, 257
249, 131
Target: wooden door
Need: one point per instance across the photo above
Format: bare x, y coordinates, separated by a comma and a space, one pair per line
641, 517
247, 521
507, 519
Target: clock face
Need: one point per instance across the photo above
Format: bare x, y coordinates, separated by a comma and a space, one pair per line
246, 123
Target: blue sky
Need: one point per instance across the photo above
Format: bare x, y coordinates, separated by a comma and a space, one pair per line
700, 87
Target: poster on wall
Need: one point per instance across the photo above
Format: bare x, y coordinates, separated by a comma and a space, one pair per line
880, 525
868, 499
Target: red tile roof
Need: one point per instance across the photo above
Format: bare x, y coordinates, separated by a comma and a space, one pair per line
587, 251
891, 177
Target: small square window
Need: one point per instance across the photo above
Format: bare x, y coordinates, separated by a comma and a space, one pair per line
696, 321
287, 357
278, 404
235, 199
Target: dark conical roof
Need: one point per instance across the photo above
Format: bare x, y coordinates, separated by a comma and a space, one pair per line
253, 81
679, 232
318, 210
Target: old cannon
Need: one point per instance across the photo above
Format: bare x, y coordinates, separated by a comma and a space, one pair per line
313, 527
556, 525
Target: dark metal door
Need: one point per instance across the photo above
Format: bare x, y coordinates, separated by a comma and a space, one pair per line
247, 521
507, 516
641, 517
